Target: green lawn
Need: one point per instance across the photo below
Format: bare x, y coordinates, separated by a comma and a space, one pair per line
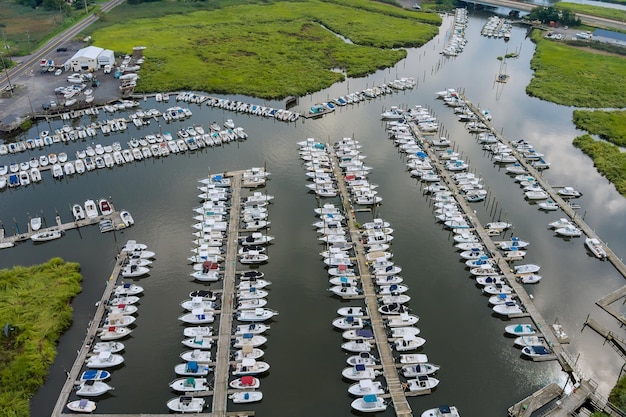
269, 50
605, 12
609, 125
607, 158
35, 303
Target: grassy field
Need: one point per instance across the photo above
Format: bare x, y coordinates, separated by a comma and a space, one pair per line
607, 158
574, 77
604, 12
269, 50
34, 301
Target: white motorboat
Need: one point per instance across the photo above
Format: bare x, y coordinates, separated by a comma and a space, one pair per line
508, 309
245, 382
198, 317
186, 404
392, 289
193, 331
536, 195
357, 346
81, 406
423, 384
351, 311
364, 358
369, 404
127, 218
349, 322
562, 222
250, 366
526, 269
536, 351
199, 342
189, 384
501, 298
114, 333
248, 352
123, 309
497, 289
522, 329
134, 271
91, 210
403, 332
442, 411
401, 320
196, 355
486, 280
200, 303
251, 293
258, 314
569, 231
252, 328
408, 342
366, 387
78, 212
110, 346
595, 247
393, 309
46, 236
249, 339
93, 388
35, 223
355, 334
126, 289
514, 244
104, 360
484, 270
342, 271
569, 192
119, 320
414, 370
346, 291
246, 397
192, 368
388, 280
531, 340
413, 358
359, 372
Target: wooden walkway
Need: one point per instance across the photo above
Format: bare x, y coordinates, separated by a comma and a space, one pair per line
222, 365
606, 301
567, 209
536, 400
94, 327
59, 225
388, 365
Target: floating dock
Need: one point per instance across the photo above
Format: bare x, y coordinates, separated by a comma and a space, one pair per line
388, 365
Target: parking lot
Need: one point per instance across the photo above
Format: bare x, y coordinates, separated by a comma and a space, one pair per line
34, 92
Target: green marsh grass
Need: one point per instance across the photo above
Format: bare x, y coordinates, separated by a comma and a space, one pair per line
607, 158
35, 302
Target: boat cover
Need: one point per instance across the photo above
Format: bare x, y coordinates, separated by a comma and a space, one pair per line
370, 398
247, 380
359, 367
366, 333
444, 409
83, 403
192, 366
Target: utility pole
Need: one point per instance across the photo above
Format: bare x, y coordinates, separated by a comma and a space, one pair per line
6, 71
86, 9
28, 40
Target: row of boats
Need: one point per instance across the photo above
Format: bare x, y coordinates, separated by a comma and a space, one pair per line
457, 41
399, 84
497, 27
210, 239
508, 154
482, 264
345, 280
105, 351
108, 156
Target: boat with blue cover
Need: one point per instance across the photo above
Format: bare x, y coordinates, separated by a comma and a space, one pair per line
94, 375
369, 404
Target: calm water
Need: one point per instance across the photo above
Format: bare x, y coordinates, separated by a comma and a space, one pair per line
482, 373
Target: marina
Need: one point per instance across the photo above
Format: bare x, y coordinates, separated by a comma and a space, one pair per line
458, 335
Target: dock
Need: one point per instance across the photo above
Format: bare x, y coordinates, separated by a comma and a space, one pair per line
114, 217
94, 327
606, 301
222, 365
536, 400
395, 390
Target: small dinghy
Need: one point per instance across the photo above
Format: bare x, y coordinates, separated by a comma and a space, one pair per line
186, 404
81, 406
93, 388
246, 397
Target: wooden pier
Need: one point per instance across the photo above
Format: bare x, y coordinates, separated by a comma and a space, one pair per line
222, 361
93, 329
606, 301
536, 400
395, 390
9, 241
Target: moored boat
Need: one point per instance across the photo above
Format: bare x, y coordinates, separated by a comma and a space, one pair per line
186, 404
442, 411
369, 404
81, 406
